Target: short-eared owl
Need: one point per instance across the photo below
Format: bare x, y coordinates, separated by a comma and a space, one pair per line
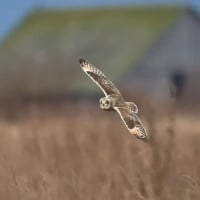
113, 100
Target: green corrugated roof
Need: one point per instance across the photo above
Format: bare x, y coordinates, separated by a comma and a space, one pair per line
112, 39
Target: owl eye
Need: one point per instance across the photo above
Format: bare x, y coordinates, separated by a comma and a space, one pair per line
107, 102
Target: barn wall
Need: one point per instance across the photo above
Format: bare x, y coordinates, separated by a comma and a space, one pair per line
178, 49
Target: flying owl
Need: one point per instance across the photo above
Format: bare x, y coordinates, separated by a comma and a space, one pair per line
113, 100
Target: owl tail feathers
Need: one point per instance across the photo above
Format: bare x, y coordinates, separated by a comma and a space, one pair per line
132, 107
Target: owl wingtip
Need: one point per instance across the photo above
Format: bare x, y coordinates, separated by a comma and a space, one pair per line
82, 60
145, 139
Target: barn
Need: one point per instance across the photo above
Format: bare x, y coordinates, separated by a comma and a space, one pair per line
138, 48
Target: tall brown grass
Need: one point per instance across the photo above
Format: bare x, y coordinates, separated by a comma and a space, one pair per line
77, 151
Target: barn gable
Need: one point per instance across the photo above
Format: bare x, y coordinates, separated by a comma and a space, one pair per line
178, 49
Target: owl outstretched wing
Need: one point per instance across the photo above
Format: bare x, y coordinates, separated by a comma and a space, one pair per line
133, 123
99, 78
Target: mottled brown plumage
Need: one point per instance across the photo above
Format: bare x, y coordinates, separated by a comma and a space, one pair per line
113, 100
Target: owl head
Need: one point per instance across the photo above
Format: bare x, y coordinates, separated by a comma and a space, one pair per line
105, 103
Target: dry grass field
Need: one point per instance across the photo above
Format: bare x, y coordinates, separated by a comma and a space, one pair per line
52, 152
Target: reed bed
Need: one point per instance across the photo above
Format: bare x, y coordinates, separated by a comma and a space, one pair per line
77, 151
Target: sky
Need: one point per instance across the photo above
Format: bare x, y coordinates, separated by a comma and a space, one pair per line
13, 11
